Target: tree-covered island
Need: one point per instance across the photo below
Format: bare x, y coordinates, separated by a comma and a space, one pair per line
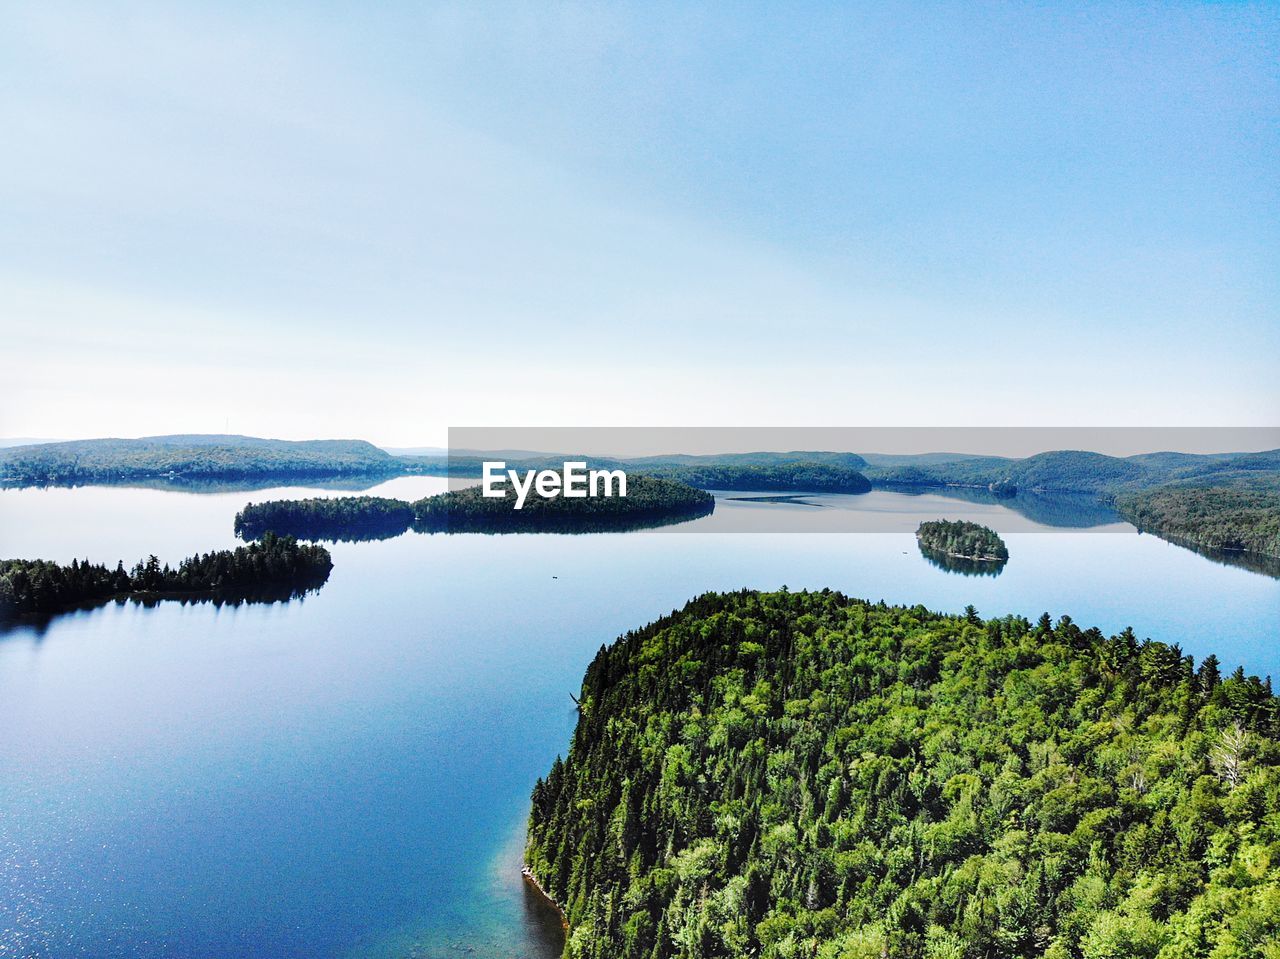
961, 539
649, 502
275, 568
809, 776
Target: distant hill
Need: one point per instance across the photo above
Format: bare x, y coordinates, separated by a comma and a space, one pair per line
919, 459
806, 477
1077, 471
189, 456
225, 457
850, 460
416, 450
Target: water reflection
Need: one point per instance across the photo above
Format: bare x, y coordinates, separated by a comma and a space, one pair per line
1060, 510
961, 564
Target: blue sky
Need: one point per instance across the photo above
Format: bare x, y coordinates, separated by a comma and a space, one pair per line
322, 221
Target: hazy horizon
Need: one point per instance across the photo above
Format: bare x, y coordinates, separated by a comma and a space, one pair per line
640, 442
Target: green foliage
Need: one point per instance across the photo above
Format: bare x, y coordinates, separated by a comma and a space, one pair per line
275, 568
330, 518
795, 477
962, 539
1212, 518
806, 457
789, 775
194, 456
649, 502
1078, 471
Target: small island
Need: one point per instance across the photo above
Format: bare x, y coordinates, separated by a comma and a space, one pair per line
276, 568
960, 539
650, 502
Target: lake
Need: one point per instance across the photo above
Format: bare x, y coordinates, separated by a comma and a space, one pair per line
347, 775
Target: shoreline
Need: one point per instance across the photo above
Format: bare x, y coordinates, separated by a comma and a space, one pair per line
532, 880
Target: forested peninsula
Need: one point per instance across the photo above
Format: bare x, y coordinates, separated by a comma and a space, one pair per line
962, 540
1229, 519
275, 568
649, 502
808, 775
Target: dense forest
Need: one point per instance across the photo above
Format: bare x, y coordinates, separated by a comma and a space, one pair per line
328, 518
1231, 519
759, 458
189, 457
794, 477
649, 502
749, 472
1076, 471
962, 540
275, 568
808, 776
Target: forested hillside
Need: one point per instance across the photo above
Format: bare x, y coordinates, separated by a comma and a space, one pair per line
1077, 471
1242, 519
806, 775
795, 477
195, 457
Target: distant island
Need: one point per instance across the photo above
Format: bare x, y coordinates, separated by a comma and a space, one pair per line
961, 539
650, 502
275, 568
781, 775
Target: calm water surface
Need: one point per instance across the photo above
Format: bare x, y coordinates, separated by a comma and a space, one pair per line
348, 775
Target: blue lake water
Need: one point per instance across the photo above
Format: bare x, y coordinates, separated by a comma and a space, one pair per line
347, 775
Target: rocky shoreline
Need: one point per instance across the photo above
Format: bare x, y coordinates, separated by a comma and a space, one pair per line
532, 880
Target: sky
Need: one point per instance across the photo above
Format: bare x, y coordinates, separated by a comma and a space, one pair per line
307, 220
